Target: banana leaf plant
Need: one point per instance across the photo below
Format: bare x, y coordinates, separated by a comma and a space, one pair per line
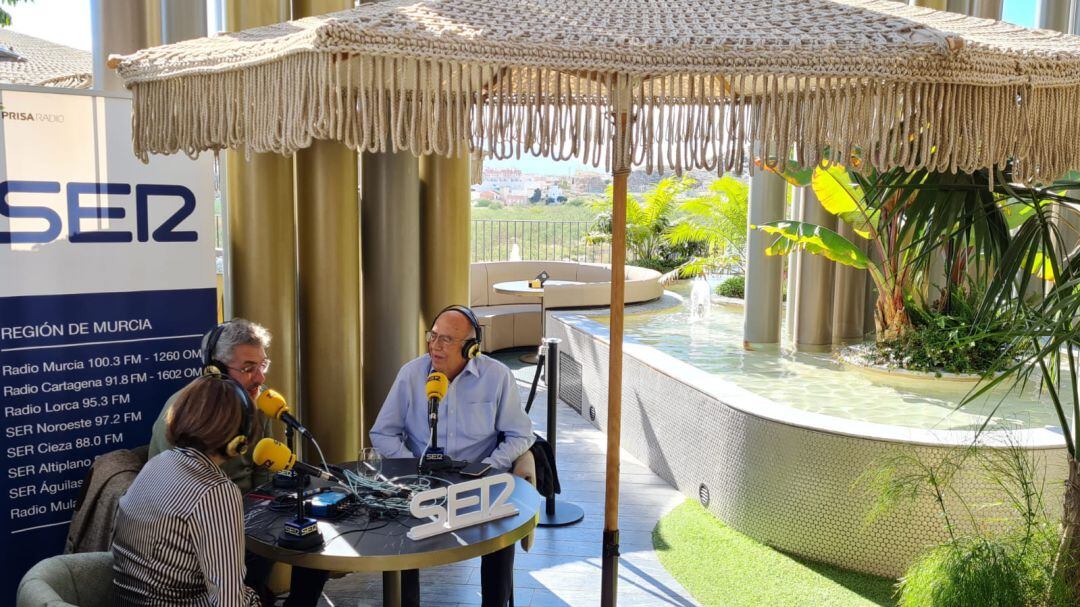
873, 205
926, 232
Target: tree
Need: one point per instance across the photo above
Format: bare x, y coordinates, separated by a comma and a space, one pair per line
905, 220
1046, 329
5, 17
716, 220
536, 195
648, 217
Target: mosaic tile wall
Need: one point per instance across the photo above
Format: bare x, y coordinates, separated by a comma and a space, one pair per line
790, 487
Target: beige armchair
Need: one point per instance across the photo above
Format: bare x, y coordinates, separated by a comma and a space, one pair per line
525, 468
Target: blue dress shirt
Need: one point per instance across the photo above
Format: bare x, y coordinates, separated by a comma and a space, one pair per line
482, 401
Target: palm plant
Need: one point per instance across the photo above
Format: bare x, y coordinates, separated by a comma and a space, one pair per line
1046, 329
906, 220
648, 217
873, 206
717, 221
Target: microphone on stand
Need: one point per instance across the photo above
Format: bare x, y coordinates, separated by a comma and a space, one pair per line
275, 456
273, 404
435, 458
302, 532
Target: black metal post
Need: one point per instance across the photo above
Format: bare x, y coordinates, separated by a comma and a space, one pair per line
563, 512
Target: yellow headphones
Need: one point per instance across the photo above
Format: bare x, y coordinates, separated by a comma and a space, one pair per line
470, 348
238, 445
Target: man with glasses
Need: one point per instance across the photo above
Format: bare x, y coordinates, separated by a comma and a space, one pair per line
480, 420
240, 351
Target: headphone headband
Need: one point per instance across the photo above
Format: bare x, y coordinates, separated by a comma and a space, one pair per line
209, 345
238, 445
470, 348
213, 367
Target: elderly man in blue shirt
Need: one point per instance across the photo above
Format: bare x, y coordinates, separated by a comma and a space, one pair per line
482, 405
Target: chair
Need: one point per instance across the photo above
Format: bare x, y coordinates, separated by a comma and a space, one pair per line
80, 580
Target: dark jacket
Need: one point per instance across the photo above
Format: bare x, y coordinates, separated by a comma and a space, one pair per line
547, 474
95, 510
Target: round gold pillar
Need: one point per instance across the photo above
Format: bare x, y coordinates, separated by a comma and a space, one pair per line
328, 241
262, 229
121, 27
444, 234
815, 284
390, 263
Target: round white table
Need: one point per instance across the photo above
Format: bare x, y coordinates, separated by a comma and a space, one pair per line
521, 288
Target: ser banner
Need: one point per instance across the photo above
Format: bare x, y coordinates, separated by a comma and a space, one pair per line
107, 282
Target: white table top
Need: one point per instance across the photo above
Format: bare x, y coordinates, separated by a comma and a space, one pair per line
521, 287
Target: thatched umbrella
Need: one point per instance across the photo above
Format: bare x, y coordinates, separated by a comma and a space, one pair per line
664, 84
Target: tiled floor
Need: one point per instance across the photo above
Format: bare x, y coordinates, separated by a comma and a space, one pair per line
563, 568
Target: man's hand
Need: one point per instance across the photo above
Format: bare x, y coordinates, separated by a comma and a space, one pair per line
525, 467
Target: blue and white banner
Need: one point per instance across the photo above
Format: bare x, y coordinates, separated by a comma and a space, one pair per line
107, 282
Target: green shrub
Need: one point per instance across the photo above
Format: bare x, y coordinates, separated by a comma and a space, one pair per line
732, 287
943, 342
983, 572
653, 263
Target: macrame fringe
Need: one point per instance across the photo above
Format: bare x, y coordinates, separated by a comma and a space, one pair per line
675, 123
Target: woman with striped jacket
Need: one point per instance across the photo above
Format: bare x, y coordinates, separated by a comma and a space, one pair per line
179, 535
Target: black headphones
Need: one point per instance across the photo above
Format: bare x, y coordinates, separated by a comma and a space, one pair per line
209, 344
212, 367
470, 348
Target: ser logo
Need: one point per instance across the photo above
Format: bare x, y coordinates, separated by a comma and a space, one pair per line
177, 199
12, 114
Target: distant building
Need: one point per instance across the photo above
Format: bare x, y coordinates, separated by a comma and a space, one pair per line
640, 181
586, 182
29, 60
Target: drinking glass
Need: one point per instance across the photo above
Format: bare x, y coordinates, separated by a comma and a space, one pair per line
369, 464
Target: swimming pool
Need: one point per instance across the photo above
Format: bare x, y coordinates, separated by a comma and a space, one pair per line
819, 382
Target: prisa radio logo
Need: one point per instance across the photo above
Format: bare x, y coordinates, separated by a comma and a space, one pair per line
7, 114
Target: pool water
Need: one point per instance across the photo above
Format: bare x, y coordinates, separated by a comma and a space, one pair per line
817, 382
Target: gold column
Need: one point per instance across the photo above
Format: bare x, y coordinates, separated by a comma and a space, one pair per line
987, 9
328, 240
444, 234
849, 294
121, 27
390, 264
939, 5
815, 284
761, 320
262, 229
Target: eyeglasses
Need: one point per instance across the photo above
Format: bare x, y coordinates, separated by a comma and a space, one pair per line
264, 366
444, 340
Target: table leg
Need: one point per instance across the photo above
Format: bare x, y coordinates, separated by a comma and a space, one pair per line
532, 358
391, 588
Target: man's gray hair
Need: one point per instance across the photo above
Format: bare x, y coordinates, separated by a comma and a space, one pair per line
240, 332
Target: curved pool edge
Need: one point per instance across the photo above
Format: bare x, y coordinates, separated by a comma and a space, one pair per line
783, 476
749, 403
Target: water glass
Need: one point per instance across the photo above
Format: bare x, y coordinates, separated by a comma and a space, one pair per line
369, 464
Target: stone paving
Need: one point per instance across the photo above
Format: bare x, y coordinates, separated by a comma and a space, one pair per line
563, 567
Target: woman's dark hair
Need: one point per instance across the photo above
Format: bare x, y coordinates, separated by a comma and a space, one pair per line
205, 416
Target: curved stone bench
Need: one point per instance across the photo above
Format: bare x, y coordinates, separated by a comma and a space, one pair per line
509, 321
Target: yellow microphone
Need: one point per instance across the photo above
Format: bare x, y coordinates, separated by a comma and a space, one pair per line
437, 385
276, 457
273, 404
434, 458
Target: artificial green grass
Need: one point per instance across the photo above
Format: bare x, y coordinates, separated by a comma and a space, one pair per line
722, 567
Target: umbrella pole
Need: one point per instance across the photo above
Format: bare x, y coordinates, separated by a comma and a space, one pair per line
610, 572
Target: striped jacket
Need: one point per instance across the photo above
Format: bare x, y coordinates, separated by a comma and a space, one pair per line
179, 537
